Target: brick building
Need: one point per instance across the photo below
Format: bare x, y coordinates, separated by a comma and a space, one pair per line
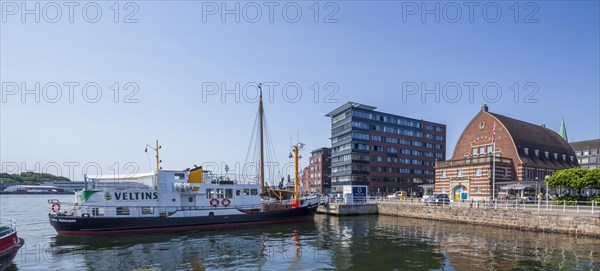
384, 151
316, 177
525, 153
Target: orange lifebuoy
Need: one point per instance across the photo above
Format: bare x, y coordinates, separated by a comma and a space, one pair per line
55, 207
214, 202
226, 202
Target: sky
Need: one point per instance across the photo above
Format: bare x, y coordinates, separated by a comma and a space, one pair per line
184, 72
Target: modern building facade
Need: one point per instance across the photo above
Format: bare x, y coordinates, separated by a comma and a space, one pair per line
587, 152
525, 153
387, 152
317, 175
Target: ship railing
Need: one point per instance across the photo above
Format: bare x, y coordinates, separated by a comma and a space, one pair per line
7, 226
62, 208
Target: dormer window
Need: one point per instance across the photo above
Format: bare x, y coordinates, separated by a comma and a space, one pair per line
564, 157
571, 158
556, 156
526, 151
547, 154
537, 153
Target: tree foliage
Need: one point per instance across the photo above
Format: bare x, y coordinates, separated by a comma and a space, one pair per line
575, 178
30, 177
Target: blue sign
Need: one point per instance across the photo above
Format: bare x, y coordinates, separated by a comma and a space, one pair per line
359, 194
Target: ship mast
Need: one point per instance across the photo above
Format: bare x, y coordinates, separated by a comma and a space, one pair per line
262, 155
296, 150
157, 161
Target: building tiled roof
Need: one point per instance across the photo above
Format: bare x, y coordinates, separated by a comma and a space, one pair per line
537, 137
586, 145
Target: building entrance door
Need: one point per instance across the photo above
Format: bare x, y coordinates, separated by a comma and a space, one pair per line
461, 193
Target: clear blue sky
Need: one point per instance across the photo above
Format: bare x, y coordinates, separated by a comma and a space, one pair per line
370, 50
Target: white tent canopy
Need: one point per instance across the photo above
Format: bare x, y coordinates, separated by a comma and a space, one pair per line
517, 186
130, 176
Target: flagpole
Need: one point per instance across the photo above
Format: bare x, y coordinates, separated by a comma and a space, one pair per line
494, 163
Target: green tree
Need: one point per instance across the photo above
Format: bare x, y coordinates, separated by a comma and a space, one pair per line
571, 178
592, 178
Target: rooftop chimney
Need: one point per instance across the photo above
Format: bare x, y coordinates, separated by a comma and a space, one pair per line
543, 125
484, 108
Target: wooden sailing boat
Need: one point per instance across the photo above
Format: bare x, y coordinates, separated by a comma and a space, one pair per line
280, 194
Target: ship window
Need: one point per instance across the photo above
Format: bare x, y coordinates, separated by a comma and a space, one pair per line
238, 192
246, 192
254, 191
97, 211
147, 210
210, 193
122, 211
220, 193
191, 199
228, 193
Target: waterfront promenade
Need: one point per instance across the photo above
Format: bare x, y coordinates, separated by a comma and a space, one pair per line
542, 216
564, 217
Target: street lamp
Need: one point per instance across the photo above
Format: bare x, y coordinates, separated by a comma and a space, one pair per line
547, 178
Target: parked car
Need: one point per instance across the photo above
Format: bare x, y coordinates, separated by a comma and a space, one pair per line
438, 199
397, 195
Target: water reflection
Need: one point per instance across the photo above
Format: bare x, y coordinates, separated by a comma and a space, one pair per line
278, 246
470, 247
349, 243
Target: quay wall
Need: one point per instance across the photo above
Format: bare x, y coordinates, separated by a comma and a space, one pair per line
521, 220
348, 209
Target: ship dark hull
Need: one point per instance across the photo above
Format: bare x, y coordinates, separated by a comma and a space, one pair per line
66, 225
7, 257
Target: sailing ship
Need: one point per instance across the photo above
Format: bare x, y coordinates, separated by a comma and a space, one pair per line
178, 200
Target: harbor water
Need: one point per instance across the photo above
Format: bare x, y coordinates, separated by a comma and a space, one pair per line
329, 243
